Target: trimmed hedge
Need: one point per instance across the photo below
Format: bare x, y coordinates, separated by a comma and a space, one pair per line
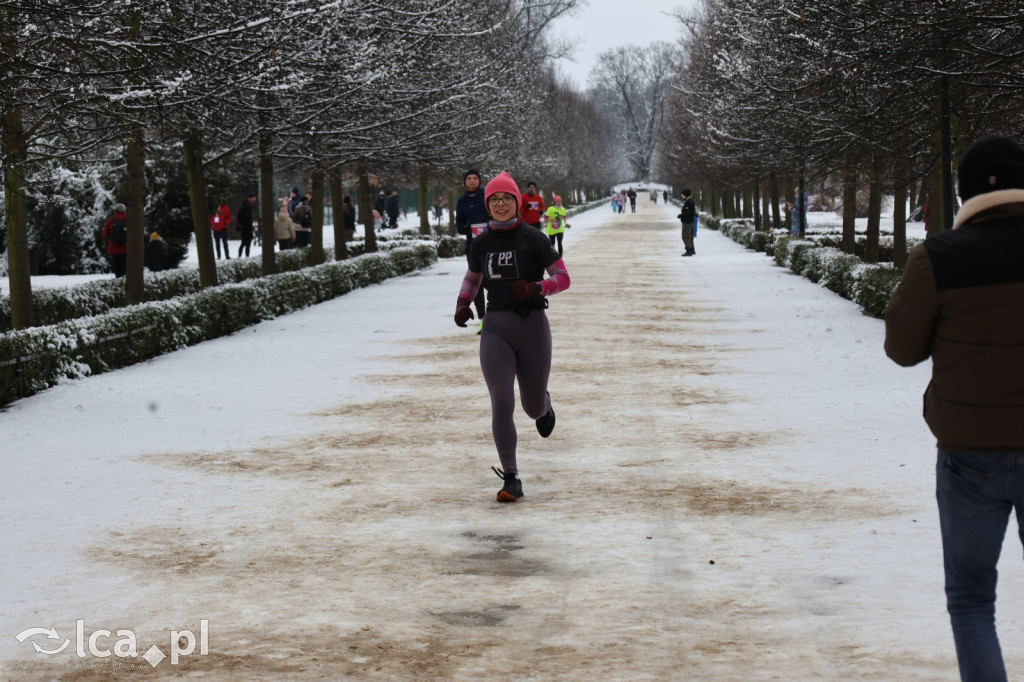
50, 306
131, 334
868, 285
885, 246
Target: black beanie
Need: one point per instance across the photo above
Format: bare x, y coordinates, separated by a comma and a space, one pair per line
472, 172
992, 162
686, 192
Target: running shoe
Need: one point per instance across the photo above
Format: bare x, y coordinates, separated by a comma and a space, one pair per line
546, 422
513, 488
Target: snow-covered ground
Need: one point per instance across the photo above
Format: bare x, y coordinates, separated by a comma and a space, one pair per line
739, 487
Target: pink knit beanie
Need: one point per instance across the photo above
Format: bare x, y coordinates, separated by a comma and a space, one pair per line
503, 182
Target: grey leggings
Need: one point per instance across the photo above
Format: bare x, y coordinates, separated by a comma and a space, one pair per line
515, 348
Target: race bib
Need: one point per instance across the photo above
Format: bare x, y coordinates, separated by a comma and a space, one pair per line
502, 265
476, 229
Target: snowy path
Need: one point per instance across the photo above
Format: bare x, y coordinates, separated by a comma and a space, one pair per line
739, 487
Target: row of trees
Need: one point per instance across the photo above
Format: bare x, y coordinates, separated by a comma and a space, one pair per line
773, 94
90, 91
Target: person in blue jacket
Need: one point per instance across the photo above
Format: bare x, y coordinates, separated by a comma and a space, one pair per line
471, 219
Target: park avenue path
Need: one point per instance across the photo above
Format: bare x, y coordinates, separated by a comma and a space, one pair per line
739, 487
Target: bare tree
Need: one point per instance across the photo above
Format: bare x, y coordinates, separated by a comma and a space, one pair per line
636, 80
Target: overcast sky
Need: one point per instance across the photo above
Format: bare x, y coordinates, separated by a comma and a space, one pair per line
605, 24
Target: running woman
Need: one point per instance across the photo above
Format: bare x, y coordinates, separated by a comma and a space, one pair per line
509, 260
554, 223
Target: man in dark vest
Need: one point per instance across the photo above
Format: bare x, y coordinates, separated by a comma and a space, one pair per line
961, 303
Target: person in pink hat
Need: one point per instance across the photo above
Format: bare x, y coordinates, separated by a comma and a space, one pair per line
509, 260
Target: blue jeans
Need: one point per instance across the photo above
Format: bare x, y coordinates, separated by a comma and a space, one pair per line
221, 236
976, 493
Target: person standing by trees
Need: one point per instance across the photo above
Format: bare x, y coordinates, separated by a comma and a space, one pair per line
471, 220
439, 205
554, 223
116, 232
244, 219
798, 213
961, 303
509, 260
156, 252
393, 210
284, 231
302, 222
219, 221
379, 204
532, 206
688, 217
348, 212
294, 199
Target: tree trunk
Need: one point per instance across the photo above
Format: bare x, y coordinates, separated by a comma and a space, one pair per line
922, 192
18, 275
338, 202
451, 207
135, 202
193, 152
765, 207
790, 192
874, 211
849, 243
911, 194
316, 249
268, 209
802, 203
899, 212
366, 209
423, 200
933, 213
773, 182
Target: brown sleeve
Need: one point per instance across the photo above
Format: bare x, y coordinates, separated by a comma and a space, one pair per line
912, 313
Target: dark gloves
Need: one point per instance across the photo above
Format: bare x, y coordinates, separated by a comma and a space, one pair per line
463, 313
523, 289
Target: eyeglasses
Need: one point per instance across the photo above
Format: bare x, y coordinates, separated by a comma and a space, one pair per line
506, 199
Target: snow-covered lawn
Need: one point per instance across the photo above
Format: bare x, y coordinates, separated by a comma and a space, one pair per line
739, 487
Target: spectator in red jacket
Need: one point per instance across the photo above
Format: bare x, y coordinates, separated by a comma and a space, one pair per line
115, 230
219, 221
532, 206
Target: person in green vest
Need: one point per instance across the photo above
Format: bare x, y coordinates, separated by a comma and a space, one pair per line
554, 223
